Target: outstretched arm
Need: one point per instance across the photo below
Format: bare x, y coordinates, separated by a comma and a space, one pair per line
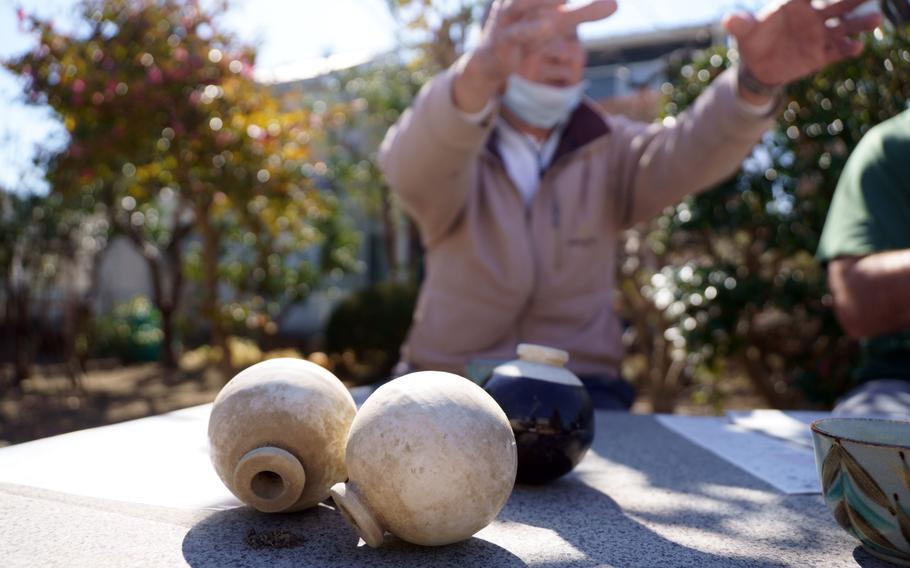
787, 41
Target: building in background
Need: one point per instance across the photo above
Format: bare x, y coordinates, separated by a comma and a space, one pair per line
628, 52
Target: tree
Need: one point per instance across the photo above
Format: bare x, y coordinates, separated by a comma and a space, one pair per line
17, 256
46, 249
440, 31
274, 232
114, 98
369, 101
176, 143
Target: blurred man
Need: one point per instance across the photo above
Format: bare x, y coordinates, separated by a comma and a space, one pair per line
519, 187
866, 243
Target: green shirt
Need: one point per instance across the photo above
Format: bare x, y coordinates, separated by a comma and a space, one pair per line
870, 213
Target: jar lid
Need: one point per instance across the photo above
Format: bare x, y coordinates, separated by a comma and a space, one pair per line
542, 354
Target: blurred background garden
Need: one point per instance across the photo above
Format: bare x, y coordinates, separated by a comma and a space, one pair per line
188, 187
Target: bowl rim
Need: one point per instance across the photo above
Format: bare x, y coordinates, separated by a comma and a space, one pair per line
815, 426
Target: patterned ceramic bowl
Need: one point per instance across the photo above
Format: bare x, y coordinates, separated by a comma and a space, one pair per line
864, 466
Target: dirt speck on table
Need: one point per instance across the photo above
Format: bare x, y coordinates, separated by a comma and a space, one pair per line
272, 539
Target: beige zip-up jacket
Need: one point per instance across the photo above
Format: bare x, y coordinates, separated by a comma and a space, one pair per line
499, 273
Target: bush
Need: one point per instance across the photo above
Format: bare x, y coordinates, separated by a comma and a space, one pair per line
725, 283
131, 332
369, 327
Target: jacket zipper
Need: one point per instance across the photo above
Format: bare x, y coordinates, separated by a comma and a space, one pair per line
529, 242
556, 209
556, 215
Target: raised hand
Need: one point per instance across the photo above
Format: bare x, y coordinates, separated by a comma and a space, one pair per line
517, 27
514, 29
792, 38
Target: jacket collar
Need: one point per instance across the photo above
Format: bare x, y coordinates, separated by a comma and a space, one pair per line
586, 125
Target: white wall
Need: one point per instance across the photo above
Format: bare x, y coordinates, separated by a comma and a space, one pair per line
124, 274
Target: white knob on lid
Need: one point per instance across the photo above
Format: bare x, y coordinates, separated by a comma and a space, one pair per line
541, 354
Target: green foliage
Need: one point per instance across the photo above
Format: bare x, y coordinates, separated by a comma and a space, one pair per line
131, 332
372, 324
173, 142
352, 113
439, 30
354, 116
741, 287
38, 234
367, 103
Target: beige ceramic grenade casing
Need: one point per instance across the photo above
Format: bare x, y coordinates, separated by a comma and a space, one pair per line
431, 459
277, 434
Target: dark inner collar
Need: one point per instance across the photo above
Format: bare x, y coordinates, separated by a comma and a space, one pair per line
585, 126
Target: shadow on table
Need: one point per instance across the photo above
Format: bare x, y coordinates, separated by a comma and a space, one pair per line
677, 465
675, 485
318, 537
595, 525
667, 459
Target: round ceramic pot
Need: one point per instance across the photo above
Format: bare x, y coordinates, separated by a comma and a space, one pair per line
549, 409
431, 459
277, 434
864, 467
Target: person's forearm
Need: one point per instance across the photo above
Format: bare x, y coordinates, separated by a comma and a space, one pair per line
872, 294
472, 89
429, 157
705, 145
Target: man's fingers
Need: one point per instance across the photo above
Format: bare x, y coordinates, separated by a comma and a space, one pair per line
516, 9
567, 17
740, 24
507, 12
856, 25
545, 20
850, 47
840, 8
571, 17
843, 48
529, 32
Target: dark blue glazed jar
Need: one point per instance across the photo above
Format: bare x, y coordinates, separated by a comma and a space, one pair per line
549, 409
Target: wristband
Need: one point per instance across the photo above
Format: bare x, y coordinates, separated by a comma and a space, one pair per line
751, 83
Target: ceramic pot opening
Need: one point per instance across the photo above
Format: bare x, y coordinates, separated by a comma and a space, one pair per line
267, 485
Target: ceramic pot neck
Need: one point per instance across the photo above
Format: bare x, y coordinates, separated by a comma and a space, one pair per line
270, 479
541, 355
357, 513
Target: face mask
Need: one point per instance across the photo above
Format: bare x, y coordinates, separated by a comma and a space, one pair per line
541, 105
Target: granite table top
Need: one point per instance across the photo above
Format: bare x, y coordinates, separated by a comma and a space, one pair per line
142, 493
